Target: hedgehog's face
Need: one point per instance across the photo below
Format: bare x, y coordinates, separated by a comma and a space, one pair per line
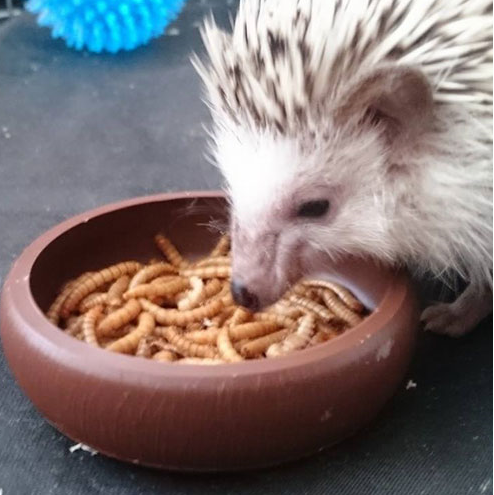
297, 209
300, 203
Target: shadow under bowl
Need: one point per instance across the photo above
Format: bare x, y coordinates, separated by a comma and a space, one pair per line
188, 417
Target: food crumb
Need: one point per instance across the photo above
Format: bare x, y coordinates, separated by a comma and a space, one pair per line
384, 351
81, 446
411, 384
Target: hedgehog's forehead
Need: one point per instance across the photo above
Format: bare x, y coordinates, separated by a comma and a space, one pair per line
262, 171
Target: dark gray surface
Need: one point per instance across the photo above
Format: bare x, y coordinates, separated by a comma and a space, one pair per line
79, 130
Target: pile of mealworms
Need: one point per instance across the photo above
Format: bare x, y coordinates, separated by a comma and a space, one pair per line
175, 310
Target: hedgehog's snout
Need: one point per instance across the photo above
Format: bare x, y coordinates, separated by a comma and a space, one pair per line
254, 262
243, 296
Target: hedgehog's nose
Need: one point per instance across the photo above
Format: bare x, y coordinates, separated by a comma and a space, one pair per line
243, 296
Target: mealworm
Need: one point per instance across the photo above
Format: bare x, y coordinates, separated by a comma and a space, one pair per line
252, 330
143, 348
208, 336
275, 350
316, 308
297, 340
95, 281
157, 343
69, 284
241, 315
217, 261
258, 346
163, 345
89, 325
237, 345
184, 345
182, 318
92, 300
225, 347
312, 293
280, 320
164, 279
193, 296
222, 247
345, 295
117, 289
319, 338
315, 293
53, 313
155, 290
223, 271
165, 356
225, 313
128, 344
195, 325
225, 289
74, 325
326, 329
301, 290
212, 288
196, 361
227, 299
71, 321
150, 272
180, 295
119, 318
340, 310
106, 340
283, 308
170, 251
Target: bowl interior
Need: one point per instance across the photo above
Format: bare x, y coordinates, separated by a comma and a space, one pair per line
126, 233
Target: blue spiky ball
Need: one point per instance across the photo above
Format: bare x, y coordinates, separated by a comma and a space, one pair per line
105, 25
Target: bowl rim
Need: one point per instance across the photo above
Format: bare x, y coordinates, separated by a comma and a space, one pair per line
44, 334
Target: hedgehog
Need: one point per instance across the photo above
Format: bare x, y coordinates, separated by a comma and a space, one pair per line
349, 129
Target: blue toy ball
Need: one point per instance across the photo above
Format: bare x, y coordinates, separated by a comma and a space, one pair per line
105, 25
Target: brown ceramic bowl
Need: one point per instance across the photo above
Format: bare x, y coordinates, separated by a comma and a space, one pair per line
189, 417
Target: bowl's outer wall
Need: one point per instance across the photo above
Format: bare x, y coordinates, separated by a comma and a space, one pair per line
187, 417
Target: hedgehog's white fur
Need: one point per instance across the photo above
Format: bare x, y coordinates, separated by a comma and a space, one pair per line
289, 126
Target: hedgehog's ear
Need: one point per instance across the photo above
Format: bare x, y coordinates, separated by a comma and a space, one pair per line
398, 98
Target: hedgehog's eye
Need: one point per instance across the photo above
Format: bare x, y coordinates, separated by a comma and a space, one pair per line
313, 209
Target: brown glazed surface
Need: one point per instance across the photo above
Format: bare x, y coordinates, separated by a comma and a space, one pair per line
187, 417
